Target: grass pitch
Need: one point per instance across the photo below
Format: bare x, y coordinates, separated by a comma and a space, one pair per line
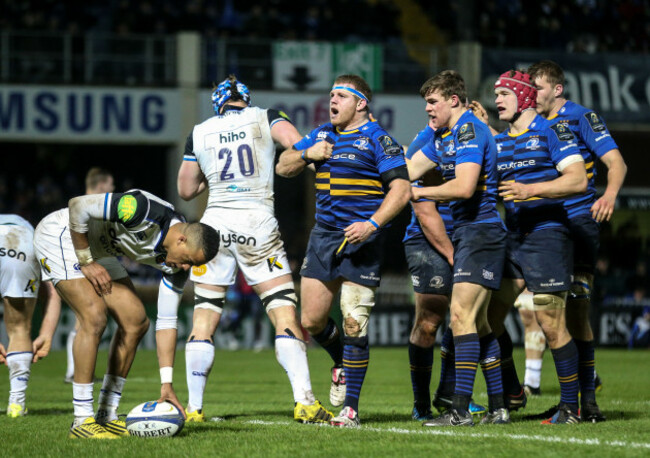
250, 399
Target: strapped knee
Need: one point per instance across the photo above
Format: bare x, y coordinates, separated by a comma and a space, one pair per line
525, 301
208, 299
581, 287
535, 340
356, 303
549, 301
280, 296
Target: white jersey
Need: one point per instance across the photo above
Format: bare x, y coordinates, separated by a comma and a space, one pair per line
16, 221
19, 271
133, 224
236, 153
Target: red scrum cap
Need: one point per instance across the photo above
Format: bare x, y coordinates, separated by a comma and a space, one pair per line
519, 83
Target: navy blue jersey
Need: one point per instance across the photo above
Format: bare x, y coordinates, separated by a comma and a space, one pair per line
414, 228
470, 140
534, 156
349, 185
594, 141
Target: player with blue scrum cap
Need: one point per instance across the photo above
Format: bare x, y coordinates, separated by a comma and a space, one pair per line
232, 154
585, 212
465, 151
539, 165
359, 189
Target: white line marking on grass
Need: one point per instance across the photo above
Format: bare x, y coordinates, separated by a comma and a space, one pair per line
523, 437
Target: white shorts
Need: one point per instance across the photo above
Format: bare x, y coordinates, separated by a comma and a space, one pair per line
56, 255
19, 276
250, 240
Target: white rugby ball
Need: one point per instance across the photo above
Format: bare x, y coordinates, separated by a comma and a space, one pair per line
154, 419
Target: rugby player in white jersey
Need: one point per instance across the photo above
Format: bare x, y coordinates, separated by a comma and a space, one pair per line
19, 286
98, 181
77, 248
232, 155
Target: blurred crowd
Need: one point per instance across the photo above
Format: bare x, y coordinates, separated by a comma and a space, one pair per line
573, 25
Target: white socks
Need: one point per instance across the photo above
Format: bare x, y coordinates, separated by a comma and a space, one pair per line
69, 372
82, 400
533, 373
291, 353
109, 398
19, 369
199, 357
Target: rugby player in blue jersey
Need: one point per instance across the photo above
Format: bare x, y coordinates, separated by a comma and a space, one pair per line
359, 189
429, 255
584, 211
465, 151
539, 165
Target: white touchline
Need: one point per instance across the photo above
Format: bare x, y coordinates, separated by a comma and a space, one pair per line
525, 437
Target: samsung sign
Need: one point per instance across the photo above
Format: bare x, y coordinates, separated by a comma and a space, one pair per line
89, 114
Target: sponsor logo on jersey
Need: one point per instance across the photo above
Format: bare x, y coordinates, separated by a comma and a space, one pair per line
43, 262
436, 282
596, 124
126, 208
13, 253
361, 143
350, 156
322, 135
562, 132
112, 245
447, 167
466, 132
200, 374
273, 262
232, 237
416, 280
235, 188
390, 146
533, 143
232, 137
76, 266
488, 275
199, 270
31, 285
515, 164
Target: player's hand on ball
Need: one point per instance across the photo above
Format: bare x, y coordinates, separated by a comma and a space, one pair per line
98, 276
41, 348
168, 394
321, 151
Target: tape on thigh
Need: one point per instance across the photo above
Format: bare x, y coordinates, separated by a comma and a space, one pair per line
208, 299
280, 296
544, 301
356, 303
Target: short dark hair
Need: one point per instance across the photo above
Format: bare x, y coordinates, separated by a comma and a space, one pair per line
448, 83
552, 71
207, 239
95, 176
358, 82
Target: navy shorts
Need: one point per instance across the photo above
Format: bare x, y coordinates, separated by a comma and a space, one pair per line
479, 253
358, 263
585, 234
544, 259
430, 271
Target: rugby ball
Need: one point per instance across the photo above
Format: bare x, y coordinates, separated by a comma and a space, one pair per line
154, 419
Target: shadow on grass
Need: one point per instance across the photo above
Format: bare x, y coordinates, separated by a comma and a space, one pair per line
51, 411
